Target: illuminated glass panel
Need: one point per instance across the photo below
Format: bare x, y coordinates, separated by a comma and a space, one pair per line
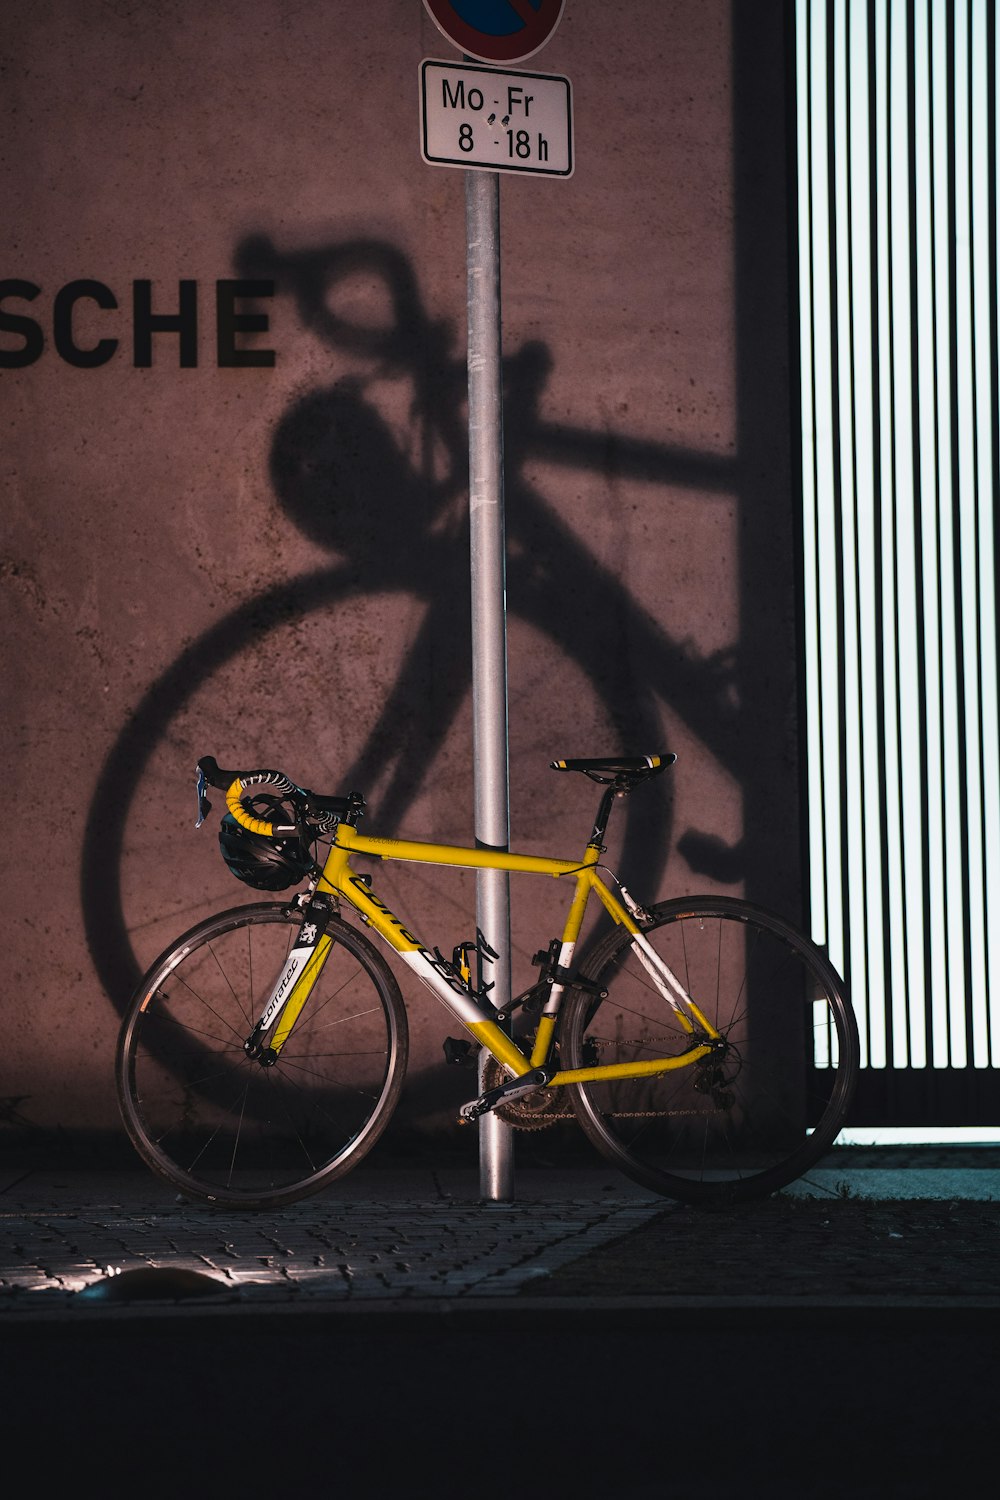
897, 189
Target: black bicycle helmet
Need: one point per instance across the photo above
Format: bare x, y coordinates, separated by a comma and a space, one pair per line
264, 863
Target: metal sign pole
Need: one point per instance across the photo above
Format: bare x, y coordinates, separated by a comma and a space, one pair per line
489, 622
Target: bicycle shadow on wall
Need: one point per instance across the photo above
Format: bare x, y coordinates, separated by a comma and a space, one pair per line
397, 523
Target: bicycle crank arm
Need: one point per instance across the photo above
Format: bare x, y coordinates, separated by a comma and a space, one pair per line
515, 1089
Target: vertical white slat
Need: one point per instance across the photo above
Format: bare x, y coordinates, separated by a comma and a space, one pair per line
948, 918
811, 231
850, 708
865, 826
908, 1017
886, 170
966, 151
827, 809
987, 196
925, 371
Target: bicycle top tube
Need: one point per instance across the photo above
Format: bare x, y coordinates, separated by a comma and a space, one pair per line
458, 855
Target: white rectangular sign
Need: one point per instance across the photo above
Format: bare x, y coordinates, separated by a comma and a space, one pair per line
495, 120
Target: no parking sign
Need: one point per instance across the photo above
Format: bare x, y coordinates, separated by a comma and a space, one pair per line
503, 31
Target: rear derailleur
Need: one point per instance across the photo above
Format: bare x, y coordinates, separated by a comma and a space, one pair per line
712, 1077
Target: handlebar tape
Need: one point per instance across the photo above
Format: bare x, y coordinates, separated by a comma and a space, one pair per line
323, 812
235, 783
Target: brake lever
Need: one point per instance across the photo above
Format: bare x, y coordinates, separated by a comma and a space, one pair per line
204, 806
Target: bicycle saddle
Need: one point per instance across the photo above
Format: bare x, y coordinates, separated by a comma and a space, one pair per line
624, 768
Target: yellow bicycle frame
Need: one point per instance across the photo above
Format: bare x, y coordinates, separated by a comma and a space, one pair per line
340, 880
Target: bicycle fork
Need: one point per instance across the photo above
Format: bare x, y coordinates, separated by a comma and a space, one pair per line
294, 984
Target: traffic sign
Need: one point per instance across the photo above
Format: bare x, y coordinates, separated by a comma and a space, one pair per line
503, 31
495, 120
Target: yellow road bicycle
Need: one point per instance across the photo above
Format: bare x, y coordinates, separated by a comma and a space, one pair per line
705, 1047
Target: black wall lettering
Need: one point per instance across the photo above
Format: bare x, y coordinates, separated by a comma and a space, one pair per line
62, 324
228, 323
146, 323
17, 323
23, 338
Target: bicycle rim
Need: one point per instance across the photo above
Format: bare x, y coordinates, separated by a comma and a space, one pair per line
755, 1116
224, 1128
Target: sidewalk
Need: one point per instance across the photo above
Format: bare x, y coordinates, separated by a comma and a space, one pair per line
881, 1228
395, 1335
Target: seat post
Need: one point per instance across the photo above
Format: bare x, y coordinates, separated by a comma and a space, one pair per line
596, 840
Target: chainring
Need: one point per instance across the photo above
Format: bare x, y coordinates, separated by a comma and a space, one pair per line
534, 1111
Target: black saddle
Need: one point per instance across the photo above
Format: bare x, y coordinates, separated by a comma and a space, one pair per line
621, 770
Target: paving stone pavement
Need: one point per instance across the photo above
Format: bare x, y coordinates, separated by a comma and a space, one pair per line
788, 1253
78, 1244
414, 1240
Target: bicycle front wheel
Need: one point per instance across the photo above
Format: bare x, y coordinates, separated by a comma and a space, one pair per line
229, 1129
755, 1115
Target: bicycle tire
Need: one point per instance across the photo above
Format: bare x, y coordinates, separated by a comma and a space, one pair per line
226, 1129
749, 1121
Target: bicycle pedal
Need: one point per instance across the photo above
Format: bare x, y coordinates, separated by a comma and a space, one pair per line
458, 1051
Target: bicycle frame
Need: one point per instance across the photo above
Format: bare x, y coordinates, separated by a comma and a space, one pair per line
476, 1013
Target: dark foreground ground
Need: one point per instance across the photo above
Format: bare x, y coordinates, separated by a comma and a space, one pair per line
400, 1337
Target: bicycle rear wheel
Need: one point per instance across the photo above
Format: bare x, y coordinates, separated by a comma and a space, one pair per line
752, 1118
227, 1129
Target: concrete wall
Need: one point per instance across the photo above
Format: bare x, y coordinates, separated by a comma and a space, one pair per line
267, 561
